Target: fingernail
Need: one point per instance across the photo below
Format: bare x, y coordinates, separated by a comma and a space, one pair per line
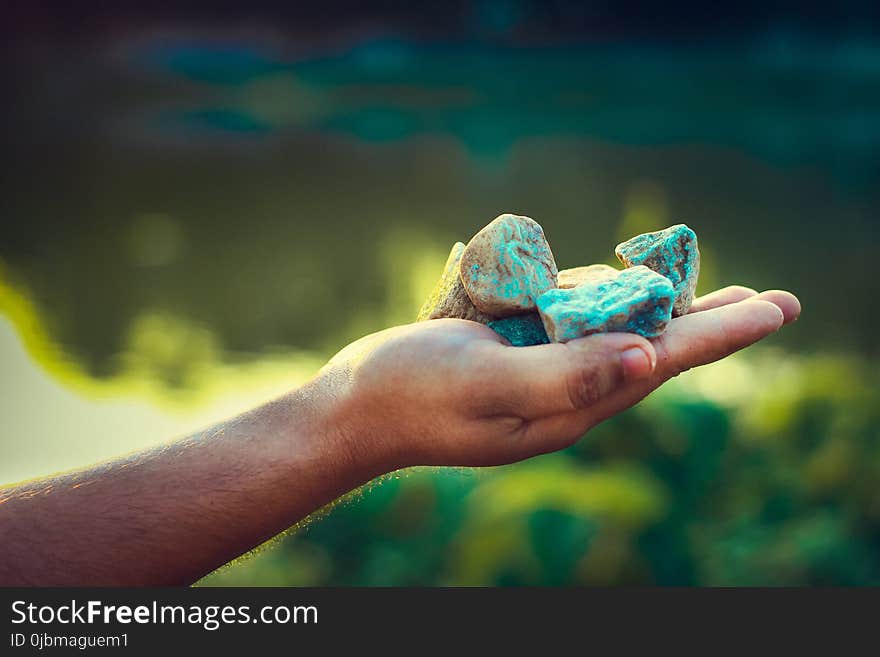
636, 363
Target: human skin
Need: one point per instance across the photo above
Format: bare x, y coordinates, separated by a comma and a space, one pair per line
444, 392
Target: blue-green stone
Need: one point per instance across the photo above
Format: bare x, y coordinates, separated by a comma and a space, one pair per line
521, 330
672, 253
636, 300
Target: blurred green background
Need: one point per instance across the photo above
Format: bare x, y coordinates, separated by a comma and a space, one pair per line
198, 208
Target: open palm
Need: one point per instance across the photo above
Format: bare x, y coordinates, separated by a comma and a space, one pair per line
452, 392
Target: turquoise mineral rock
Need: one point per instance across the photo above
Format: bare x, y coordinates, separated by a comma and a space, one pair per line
521, 330
635, 300
673, 253
507, 266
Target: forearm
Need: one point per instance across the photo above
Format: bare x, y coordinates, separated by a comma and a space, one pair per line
170, 515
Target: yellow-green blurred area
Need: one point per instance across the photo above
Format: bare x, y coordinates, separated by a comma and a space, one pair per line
199, 210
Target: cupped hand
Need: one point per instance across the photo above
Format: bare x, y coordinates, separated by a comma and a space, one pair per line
453, 392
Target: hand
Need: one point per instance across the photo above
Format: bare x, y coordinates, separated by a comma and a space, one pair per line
452, 392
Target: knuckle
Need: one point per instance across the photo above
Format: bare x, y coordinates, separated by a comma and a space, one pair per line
661, 348
667, 366
585, 386
510, 424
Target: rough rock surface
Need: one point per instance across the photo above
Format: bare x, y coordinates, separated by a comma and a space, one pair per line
672, 253
448, 298
507, 266
636, 300
521, 330
569, 278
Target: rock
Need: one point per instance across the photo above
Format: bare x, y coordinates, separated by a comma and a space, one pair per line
507, 266
635, 300
673, 253
569, 278
521, 330
448, 298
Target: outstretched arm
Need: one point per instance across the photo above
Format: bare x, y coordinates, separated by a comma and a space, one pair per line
445, 392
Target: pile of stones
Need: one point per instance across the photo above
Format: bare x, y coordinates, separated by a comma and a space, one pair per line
506, 277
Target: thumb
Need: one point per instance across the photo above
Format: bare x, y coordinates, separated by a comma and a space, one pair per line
559, 378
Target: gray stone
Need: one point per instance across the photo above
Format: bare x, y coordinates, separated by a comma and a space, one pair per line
569, 278
448, 298
635, 300
673, 253
507, 266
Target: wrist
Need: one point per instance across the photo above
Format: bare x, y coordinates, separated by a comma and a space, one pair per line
346, 435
